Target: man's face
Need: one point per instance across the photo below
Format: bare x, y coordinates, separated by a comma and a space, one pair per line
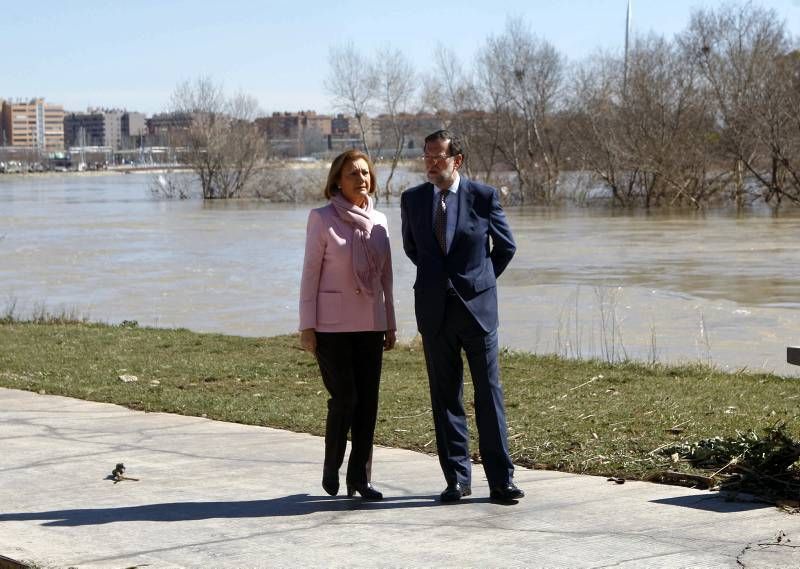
440, 167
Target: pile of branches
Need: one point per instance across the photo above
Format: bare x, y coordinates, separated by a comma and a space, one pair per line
761, 465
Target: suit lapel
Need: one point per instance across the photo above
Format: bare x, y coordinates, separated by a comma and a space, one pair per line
465, 199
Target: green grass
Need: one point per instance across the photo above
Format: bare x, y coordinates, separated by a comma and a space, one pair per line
577, 416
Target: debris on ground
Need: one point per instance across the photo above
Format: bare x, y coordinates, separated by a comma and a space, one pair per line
762, 465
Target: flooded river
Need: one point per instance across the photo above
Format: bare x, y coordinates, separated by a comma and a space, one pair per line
585, 282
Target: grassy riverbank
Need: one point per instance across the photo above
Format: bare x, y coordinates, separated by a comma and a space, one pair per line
577, 416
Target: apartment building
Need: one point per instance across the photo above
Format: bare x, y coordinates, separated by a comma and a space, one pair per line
412, 127
169, 129
113, 125
33, 124
296, 134
134, 128
96, 127
84, 129
346, 133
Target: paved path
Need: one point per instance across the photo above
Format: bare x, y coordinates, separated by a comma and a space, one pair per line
215, 494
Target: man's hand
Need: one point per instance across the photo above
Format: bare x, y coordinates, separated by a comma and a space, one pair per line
308, 340
389, 339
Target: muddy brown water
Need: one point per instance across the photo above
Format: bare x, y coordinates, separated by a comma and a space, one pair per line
585, 282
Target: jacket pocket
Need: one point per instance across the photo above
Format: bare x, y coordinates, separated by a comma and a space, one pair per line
329, 307
484, 282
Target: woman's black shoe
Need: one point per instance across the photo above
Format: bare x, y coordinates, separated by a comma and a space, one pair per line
330, 482
366, 490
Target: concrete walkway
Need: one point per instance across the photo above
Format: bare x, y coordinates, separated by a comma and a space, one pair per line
215, 494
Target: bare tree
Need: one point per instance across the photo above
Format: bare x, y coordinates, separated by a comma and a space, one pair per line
594, 125
223, 145
648, 137
351, 82
464, 107
776, 119
448, 93
667, 121
395, 82
787, 146
525, 76
736, 49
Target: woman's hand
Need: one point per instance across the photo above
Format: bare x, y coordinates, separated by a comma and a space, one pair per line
308, 340
389, 339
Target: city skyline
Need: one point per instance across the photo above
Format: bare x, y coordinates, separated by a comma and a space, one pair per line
132, 57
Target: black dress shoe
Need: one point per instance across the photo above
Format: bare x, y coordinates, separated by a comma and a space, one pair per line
366, 490
330, 482
454, 492
507, 493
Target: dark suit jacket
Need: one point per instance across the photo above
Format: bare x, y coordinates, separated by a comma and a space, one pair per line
473, 262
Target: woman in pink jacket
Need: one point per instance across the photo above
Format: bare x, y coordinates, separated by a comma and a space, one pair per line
347, 315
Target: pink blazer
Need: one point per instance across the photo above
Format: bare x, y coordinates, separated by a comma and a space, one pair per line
330, 299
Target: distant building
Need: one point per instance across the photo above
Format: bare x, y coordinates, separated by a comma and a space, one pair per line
346, 133
134, 129
413, 128
84, 129
33, 124
169, 129
113, 126
296, 134
340, 125
95, 127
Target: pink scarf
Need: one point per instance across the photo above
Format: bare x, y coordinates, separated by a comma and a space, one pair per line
368, 252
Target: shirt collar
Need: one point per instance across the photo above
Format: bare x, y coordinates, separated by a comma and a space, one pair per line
454, 186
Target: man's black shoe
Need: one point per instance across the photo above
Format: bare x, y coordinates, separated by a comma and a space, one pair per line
454, 492
507, 493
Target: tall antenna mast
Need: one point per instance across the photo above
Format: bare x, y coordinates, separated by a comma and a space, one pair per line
628, 23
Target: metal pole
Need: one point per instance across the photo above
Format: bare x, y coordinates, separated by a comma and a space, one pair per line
628, 22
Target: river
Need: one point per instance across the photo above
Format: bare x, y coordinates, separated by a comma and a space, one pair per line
712, 287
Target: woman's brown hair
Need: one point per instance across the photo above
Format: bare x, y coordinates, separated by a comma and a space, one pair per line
338, 164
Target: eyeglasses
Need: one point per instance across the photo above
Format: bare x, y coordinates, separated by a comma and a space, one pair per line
433, 159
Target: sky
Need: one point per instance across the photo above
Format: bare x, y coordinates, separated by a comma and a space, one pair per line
132, 55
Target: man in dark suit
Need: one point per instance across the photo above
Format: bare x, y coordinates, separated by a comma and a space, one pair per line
456, 233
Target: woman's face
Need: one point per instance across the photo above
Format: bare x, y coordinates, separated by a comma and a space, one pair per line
354, 182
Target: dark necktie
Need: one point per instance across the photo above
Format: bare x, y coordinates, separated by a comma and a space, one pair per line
440, 223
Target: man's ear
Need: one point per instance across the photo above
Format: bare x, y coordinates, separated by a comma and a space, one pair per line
458, 160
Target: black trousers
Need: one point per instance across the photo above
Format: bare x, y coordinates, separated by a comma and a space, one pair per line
350, 364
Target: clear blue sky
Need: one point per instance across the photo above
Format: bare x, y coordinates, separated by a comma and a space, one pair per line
132, 54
